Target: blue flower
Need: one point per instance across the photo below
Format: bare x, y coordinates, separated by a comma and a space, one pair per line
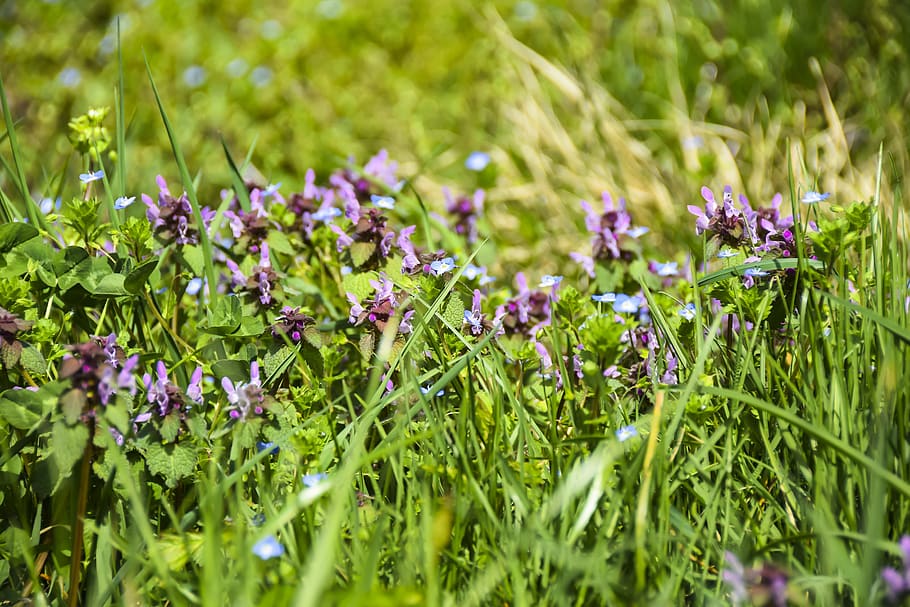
754, 272
812, 197
194, 76
549, 281
270, 447
441, 266
426, 389
383, 202
604, 298
326, 214
625, 304
727, 254
477, 161
268, 547
670, 268
311, 480
194, 286
625, 433
90, 177
271, 190
638, 231
688, 311
123, 202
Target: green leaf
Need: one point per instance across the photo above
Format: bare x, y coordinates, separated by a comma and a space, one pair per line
767, 264
224, 318
359, 284
279, 243
235, 370
361, 252
111, 285
67, 445
453, 313
367, 344
276, 361
135, 281
173, 462
13, 234
170, 427
23, 408
250, 326
33, 361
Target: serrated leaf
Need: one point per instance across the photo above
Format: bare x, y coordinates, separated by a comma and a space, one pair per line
67, 445
192, 255
279, 243
359, 284
118, 416
313, 337
453, 313
33, 361
250, 326
170, 427
72, 404
138, 276
273, 361
367, 343
173, 462
361, 252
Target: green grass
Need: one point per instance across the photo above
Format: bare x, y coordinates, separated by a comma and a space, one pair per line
784, 443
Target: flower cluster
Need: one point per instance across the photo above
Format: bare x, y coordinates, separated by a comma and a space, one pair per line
370, 240
465, 211
262, 278
250, 228
166, 398
380, 309
246, 398
526, 312
97, 370
614, 235
415, 259
897, 583
766, 585
477, 322
292, 324
170, 217
10, 346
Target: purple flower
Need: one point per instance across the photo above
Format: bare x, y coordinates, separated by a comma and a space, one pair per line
465, 211
725, 221
292, 324
897, 583
170, 217
477, 323
166, 398
586, 262
526, 312
246, 399
382, 169
267, 548
767, 585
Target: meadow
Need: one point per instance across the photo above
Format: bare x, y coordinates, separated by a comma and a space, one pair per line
407, 303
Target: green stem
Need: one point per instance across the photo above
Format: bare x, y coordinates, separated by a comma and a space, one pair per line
79, 526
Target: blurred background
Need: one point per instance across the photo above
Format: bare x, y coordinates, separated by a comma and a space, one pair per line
649, 99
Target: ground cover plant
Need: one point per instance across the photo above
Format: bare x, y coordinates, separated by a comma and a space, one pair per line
330, 390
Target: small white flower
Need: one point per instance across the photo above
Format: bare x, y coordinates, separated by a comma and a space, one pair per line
727, 254
638, 231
